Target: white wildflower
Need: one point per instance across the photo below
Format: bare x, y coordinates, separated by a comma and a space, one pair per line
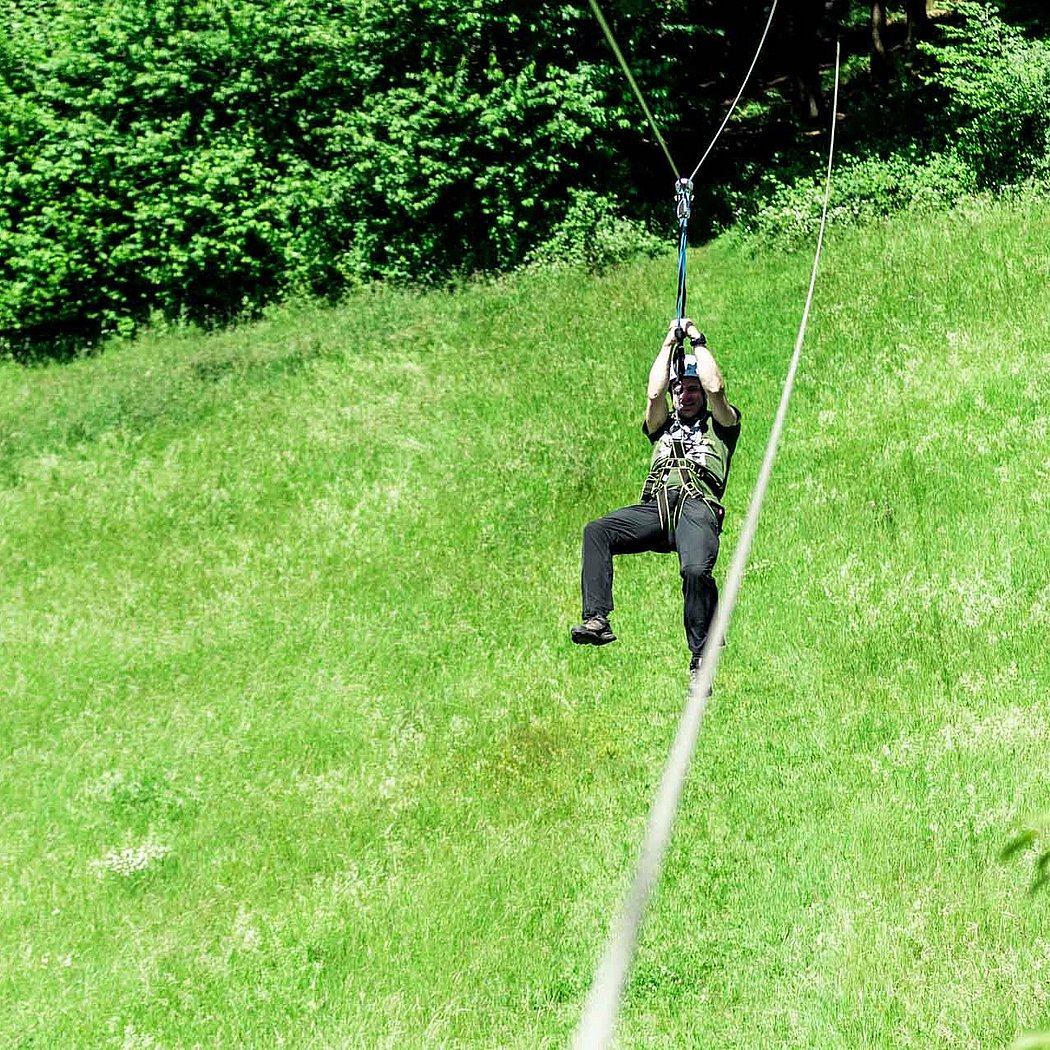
130, 860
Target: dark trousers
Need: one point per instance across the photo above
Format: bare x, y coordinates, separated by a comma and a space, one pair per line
632, 530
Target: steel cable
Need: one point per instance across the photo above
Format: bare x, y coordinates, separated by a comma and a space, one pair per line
645, 108
634, 85
747, 77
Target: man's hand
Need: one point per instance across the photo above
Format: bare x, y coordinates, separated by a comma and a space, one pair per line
710, 373
678, 324
714, 383
706, 366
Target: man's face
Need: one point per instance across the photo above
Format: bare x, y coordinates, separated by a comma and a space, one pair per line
688, 397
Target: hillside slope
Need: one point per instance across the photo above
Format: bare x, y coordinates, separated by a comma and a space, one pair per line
296, 751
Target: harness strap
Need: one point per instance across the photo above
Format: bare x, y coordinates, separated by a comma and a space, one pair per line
670, 500
670, 511
689, 475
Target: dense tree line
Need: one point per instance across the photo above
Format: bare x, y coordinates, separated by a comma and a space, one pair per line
197, 158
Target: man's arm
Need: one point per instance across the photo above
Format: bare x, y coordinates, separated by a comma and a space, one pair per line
659, 378
713, 381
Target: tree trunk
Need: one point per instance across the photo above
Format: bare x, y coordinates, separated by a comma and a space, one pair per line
805, 31
918, 20
879, 58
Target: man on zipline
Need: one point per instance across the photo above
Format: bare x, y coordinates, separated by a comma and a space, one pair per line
680, 508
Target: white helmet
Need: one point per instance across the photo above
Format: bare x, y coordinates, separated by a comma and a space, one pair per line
689, 368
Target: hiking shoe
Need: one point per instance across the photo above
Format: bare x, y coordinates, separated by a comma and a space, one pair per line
595, 630
694, 670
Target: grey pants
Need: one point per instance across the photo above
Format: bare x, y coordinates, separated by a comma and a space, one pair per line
632, 530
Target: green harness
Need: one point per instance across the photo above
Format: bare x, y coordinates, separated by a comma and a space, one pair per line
675, 477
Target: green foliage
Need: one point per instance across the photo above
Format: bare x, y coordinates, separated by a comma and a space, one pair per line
595, 235
861, 191
449, 178
195, 160
199, 160
997, 85
990, 112
161, 153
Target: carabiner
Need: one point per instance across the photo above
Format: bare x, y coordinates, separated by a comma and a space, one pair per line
684, 193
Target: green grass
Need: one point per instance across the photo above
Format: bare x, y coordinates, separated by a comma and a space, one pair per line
285, 616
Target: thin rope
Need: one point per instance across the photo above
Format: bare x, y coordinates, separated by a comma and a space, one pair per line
747, 77
634, 85
598, 1023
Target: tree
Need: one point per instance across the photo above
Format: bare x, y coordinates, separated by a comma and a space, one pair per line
804, 24
918, 28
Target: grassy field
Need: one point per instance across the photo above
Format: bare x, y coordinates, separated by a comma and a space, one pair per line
295, 750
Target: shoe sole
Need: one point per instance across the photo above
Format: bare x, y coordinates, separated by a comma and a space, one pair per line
588, 638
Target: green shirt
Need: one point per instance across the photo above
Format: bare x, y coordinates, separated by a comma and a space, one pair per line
704, 445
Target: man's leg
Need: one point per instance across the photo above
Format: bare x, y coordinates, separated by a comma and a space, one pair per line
629, 530
696, 540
